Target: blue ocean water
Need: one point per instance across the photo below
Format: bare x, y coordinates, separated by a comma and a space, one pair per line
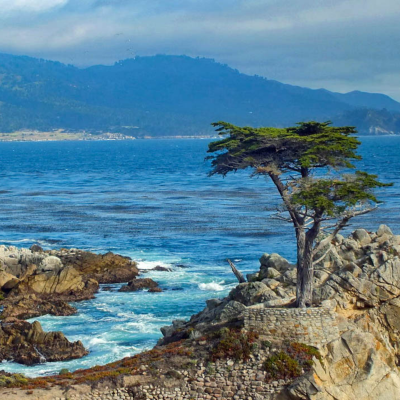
153, 201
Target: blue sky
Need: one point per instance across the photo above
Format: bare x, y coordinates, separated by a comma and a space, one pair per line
336, 44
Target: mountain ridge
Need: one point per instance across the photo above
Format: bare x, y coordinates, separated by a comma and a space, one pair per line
169, 95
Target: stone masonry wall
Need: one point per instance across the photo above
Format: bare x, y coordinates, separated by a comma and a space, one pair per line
312, 326
237, 380
222, 380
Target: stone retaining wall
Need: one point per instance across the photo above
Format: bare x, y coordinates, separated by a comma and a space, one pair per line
227, 379
312, 326
222, 380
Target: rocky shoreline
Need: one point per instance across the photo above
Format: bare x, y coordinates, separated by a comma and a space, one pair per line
34, 282
254, 344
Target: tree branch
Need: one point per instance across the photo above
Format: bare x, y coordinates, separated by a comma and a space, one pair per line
237, 273
340, 225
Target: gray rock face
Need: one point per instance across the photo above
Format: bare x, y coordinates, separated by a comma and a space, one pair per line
252, 293
275, 261
356, 366
384, 230
50, 264
362, 236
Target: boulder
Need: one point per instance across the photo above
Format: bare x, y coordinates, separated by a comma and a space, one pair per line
252, 293
275, 261
7, 281
384, 230
50, 264
231, 310
362, 236
35, 248
139, 284
159, 268
104, 268
253, 277
67, 285
28, 344
155, 290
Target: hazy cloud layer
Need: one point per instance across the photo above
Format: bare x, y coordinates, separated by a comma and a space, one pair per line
337, 44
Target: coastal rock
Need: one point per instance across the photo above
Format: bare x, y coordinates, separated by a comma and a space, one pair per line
159, 268
384, 230
252, 293
28, 344
362, 236
275, 261
155, 290
139, 284
35, 248
104, 268
50, 264
355, 366
31, 306
7, 281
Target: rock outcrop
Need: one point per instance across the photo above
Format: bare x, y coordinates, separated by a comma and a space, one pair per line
140, 284
358, 281
32, 306
48, 279
28, 344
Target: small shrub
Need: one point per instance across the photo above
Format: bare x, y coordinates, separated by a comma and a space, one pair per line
232, 343
282, 366
303, 352
266, 344
291, 361
64, 371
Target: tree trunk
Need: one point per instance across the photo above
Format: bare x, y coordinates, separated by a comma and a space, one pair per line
301, 240
305, 271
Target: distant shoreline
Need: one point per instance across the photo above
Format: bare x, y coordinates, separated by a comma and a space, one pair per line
60, 136
17, 137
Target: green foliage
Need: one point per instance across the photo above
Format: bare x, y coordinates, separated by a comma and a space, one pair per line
1, 295
233, 343
291, 361
64, 371
306, 146
303, 149
13, 380
333, 196
282, 366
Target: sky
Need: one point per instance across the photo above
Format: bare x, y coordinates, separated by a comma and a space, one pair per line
340, 45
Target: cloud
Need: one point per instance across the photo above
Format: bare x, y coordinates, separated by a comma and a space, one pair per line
342, 45
25, 6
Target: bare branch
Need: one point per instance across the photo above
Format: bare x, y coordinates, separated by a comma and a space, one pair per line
340, 225
237, 273
323, 257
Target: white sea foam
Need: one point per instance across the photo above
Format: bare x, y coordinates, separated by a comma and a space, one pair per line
20, 241
212, 286
152, 264
95, 341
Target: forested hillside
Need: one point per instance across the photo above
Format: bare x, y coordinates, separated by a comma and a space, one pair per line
170, 95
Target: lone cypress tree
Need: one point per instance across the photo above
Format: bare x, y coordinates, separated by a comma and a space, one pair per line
308, 165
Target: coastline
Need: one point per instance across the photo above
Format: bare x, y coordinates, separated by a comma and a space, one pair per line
61, 136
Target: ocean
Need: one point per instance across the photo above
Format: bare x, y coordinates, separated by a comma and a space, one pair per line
153, 201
